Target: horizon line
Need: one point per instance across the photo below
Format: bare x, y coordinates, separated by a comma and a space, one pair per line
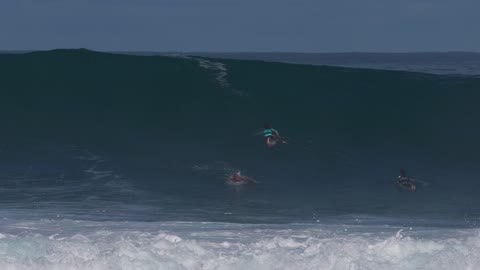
241, 52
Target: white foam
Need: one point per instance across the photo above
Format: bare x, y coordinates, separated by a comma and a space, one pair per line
149, 246
98, 174
221, 74
219, 68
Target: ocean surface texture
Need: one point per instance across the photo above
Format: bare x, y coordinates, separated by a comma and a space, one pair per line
121, 162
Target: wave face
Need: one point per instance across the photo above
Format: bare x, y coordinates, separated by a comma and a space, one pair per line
97, 136
121, 162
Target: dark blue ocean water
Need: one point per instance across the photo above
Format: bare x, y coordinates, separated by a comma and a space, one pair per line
121, 162
449, 63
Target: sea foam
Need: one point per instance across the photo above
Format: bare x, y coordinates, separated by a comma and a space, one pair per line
149, 246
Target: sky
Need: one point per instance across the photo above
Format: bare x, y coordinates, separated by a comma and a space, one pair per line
242, 26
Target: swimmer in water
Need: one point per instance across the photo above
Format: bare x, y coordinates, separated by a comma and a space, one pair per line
238, 178
407, 182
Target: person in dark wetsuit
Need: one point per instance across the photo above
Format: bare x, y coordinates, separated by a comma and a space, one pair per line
272, 136
404, 181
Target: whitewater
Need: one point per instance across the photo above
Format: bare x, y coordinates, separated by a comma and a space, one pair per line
66, 244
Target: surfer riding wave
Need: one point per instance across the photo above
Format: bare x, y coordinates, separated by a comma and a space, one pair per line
272, 136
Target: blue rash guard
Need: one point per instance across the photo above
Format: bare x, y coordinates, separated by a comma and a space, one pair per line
270, 132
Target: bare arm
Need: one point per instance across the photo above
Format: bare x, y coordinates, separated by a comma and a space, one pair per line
249, 179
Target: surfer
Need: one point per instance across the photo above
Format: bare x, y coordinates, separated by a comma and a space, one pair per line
238, 178
272, 136
406, 182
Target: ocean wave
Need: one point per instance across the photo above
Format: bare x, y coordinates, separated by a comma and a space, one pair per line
154, 126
